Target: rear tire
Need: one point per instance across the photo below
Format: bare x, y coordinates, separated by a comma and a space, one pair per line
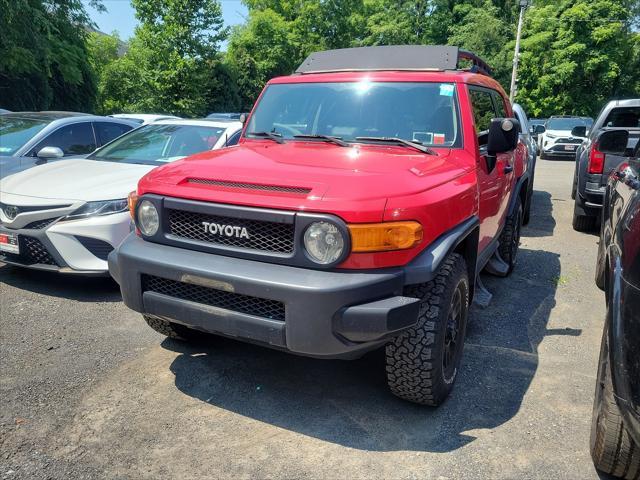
510, 237
612, 449
582, 223
169, 329
422, 363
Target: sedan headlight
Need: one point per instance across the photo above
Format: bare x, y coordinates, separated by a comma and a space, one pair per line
94, 209
148, 218
324, 242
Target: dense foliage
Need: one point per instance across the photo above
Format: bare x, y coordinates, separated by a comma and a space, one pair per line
576, 54
43, 56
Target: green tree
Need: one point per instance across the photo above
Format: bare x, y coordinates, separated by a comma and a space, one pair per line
43, 55
577, 54
171, 62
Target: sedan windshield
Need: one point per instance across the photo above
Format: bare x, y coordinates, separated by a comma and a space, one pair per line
417, 112
567, 123
16, 132
156, 144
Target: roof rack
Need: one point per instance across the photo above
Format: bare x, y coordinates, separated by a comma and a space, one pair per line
393, 57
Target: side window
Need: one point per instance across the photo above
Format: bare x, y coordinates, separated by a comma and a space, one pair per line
483, 112
74, 139
233, 139
502, 111
106, 131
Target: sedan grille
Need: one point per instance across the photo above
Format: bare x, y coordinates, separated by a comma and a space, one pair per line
260, 235
259, 307
32, 252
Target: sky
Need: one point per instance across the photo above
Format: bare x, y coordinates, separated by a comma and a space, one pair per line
120, 16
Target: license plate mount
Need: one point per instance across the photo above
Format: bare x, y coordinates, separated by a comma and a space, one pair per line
9, 243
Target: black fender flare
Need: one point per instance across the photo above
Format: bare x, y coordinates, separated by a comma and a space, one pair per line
516, 193
424, 267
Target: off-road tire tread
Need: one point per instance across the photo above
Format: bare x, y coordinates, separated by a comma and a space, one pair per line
410, 356
614, 451
507, 236
168, 329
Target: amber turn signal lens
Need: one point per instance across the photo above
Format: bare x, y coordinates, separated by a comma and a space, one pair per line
382, 237
132, 200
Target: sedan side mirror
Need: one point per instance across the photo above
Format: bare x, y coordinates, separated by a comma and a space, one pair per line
580, 131
503, 135
538, 129
50, 152
243, 118
614, 142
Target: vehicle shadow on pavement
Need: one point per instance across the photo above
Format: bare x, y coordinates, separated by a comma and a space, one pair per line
542, 223
82, 289
347, 402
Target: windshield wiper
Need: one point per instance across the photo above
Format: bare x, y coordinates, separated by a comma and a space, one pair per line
400, 141
276, 137
326, 138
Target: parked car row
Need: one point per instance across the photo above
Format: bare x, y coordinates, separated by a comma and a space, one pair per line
349, 217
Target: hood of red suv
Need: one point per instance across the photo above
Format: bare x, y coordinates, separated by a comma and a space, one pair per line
312, 176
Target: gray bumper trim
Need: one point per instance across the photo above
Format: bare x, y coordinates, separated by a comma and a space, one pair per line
315, 300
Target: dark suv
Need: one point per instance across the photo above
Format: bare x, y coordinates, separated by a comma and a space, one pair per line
615, 433
594, 166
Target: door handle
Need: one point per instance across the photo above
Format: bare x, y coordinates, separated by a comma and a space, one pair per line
508, 169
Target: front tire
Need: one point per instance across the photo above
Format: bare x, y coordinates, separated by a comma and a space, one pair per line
422, 363
612, 449
169, 329
510, 237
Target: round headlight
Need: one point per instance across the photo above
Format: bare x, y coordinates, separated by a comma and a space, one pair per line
324, 242
148, 219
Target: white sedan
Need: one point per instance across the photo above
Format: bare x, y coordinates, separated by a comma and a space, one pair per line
144, 118
69, 215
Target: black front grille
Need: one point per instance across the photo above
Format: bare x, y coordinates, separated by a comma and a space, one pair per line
40, 224
32, 252
264, 236
97, 247
571, 141
259, 307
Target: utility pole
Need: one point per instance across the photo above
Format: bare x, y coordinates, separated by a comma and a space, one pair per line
516, 56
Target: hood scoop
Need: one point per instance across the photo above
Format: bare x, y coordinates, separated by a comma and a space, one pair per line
227, 184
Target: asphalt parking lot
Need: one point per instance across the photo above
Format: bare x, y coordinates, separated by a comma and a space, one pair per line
89, 391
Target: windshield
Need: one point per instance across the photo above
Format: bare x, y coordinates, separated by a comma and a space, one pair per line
156, 144
16, 132
423, 112
567, 123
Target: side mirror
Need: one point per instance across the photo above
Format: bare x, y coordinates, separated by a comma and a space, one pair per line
614, 142
580, 131
50, 152
503, 135
243, 118
538, 129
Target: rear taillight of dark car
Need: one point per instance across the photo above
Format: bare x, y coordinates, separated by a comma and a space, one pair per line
596, 160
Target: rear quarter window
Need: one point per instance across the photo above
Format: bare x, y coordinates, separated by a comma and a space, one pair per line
623, 117
105, 131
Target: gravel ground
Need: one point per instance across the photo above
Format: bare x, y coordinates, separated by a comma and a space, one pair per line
88, 391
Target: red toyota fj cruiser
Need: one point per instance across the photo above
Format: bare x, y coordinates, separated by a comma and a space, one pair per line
368, 191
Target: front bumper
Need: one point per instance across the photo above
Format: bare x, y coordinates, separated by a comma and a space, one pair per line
76, 246
310, 312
